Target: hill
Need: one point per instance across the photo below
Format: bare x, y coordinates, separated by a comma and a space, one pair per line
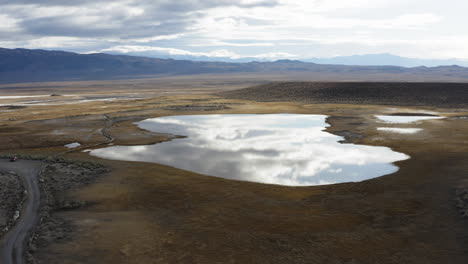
383, 93
386, 59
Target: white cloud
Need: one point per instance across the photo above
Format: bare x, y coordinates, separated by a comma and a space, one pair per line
413, 20
58, 42
169, 51
228, 28
222, 53
210, 43
273, 55
158, 37
8, 23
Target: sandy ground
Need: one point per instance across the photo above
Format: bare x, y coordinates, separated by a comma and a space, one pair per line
149, 213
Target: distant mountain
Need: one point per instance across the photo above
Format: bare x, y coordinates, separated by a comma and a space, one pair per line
23, 65
354, 60
386, 59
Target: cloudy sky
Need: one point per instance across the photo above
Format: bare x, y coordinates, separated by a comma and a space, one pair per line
275, 29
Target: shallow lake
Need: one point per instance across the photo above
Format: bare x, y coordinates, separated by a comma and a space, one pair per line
286, 149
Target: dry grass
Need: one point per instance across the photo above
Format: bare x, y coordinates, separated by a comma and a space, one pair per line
149, 213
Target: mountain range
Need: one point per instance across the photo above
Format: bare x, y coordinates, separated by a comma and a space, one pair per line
24, 65
354, 60
387, 59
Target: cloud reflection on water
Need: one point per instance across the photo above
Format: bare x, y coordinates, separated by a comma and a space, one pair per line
286, 149
404, 119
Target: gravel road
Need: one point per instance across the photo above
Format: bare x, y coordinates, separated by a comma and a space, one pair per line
12, 246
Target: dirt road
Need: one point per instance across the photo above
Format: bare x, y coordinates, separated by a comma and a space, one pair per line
13, 244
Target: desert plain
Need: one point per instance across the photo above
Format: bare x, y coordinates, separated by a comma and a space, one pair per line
106, 211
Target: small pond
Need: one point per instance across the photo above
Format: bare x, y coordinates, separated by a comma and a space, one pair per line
73, 145
396, 119
285, 149
400, 130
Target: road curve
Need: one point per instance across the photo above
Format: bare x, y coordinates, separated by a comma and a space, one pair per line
13, 244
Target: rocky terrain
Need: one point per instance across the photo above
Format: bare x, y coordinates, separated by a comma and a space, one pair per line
59, 176
462, 201
12, 195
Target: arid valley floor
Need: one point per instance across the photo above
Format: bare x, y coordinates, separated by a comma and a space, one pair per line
104, 211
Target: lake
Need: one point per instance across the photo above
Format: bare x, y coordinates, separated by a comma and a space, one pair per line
285, 149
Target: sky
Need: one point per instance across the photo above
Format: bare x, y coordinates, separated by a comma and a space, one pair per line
271, 29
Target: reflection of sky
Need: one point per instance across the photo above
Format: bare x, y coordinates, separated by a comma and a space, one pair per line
20, 96
73, 145
404, 119
63, 100
284, 149
400, 130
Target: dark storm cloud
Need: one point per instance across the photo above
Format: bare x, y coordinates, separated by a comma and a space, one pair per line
107, 18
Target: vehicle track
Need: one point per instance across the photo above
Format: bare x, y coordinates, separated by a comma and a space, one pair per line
13, 244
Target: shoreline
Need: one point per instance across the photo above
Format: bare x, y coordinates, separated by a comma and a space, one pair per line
140, 212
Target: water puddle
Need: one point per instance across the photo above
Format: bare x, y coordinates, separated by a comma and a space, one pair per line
405, 119
400, 130
58, 100
286, 149
73, 145
20, 96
